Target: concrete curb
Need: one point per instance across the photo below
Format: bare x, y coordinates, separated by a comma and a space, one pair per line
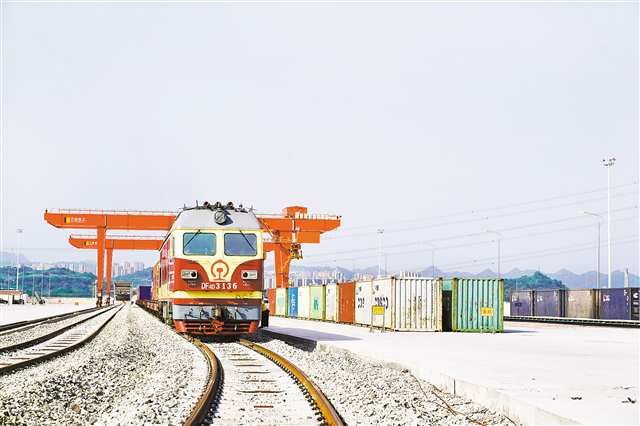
490, 398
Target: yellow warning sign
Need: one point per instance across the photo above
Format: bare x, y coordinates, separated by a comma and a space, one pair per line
486, 312
377, 310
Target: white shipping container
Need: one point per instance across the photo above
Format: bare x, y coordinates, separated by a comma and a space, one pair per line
331, 302
303, 302
417, 304
363, 302
382, 291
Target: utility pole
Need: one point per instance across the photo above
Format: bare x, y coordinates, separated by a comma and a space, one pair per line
598, 256
608, 163
18, 259
380, 233
499, 238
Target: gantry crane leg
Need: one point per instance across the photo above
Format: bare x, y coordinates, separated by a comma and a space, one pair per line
101, 243
109, 270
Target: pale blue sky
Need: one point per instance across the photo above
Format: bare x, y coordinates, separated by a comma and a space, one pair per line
380, 113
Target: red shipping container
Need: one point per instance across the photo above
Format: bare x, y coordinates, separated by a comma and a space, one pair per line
347, 302
271, 296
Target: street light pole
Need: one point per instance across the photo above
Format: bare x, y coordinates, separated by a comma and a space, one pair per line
608, 163
598, 264
380, 232
499, 238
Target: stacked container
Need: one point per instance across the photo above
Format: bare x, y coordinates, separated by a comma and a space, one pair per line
581, 303
549, 303
331, 302
292, 302
281, 301
316, 302
620, 303
522, 303
476, 304
347, 302
303, 302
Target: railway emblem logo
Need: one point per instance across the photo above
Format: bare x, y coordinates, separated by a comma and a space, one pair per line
219, 270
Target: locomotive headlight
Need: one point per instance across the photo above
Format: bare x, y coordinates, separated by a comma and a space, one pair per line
250, 275
189, 274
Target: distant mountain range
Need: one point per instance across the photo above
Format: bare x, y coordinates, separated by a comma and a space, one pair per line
569, 279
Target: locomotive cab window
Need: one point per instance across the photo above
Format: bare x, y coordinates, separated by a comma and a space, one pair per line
198, 244
240, 244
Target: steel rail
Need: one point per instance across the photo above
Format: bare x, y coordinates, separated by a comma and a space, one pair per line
16, 327
577, 321
37, 360
212, 390
327, 410
38, 340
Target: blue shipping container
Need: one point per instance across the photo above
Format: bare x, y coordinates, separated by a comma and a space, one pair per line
620, 303
522, 303
144, 292
292, 309
548, 303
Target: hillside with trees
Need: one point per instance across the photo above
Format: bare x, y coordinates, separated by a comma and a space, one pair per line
60, 282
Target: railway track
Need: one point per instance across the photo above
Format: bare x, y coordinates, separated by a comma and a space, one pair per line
26, 325
60, 342
577, 321
250, 384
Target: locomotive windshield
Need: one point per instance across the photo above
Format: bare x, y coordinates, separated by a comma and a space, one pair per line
198, 243
240, 244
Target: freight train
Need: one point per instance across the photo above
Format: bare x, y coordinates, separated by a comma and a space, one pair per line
209, 278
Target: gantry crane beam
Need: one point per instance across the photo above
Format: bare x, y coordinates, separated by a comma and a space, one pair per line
101, 220
288, 231
90, 242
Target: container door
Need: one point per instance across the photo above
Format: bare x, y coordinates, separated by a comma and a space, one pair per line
446, 310
347, 302
331, 299
363, 302
303, 302
381, 293
293, 301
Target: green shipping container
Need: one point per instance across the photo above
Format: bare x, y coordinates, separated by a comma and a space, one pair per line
473, 305
281, 302
316, 302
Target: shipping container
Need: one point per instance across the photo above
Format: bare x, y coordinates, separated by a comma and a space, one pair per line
476, 304
381, 295
271, 296
522, 303
548, 303
303, 302
620, 303
581, 303
292, 302
417, 304
347, 302
331, 302
363, 302
316, 302
281, 301
144, 292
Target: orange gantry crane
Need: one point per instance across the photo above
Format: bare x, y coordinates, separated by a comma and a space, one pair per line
288, 231
101, 220
115, 242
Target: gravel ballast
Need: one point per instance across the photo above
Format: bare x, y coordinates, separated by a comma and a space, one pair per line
136, 371
366, 392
